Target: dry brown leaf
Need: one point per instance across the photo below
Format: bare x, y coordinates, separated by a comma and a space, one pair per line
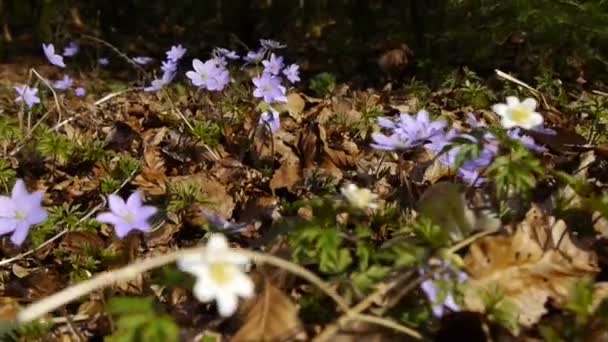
295, 105
152, 179
525, 268
270, 316
219, 201
309, 145
287, 175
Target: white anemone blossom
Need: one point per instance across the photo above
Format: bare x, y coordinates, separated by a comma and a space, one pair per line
518, 114
359, 198
219, 275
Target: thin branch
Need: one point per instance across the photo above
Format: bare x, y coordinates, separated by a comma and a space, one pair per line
116, 50
67, 295
55, 97
389, 324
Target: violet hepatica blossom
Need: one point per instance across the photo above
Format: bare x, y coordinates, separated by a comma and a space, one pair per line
103, 61
225, 53
292, 73
20, 211
270, 44
80, 92
269, 88
209, 75
440, 293
169, 66
176, 53
270, 119
407, 131
125, 217
54, 58
142, 60
219, 272
159, 83
525, 140
223, 224
255, 56
71, 50
273, 65
63, 84
27, 95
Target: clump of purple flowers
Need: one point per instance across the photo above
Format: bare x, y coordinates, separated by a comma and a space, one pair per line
211, 75
168, 67
408, 131
440, 288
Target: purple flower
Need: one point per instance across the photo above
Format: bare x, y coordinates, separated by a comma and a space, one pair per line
176, 53
525, 140
132, 215
158, 84
270, 44
292, 73
20, 211
274, 65
209, 75
71, 50
223, 224
103, 61
407, 131
142, 60
255, 56
225, 53
441, 297
80, 92
270, 118
27, 95
55, 59
63, 84
269, 88
169, 66
432, 292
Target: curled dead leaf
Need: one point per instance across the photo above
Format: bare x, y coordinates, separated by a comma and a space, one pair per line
287, 175
525, 269
270, 316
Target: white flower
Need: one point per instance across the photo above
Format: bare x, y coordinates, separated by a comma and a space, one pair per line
518, 114
359, 198
219, 275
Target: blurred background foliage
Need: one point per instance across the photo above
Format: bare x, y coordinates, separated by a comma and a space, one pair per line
351, 38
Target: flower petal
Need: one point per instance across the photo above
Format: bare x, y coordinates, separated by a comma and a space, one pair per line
512, 101
20, 233
7, 225
110, 218
117, 205
529, 104
122, 230
36, 215
134, 201
500, 109
217, 243
242, 285
203, 291
227, 303
535, 120
19, 193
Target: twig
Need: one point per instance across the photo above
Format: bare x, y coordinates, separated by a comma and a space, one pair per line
67, 295
116, 50
523, 84
114, 94
55, 97
389, 324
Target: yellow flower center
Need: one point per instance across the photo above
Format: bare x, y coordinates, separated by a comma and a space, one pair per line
221, 272
20, 215
129, 218
520, 114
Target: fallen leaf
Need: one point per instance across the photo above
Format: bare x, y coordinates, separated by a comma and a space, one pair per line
295, 105
287, 175
537, 262
270, 316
